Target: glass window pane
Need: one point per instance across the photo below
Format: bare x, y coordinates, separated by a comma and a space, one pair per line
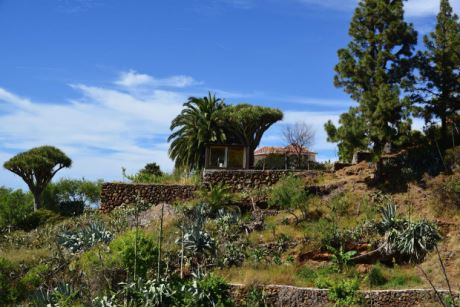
236, 157
217, 157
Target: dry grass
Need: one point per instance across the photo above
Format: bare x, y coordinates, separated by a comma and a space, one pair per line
26, 256
261, 274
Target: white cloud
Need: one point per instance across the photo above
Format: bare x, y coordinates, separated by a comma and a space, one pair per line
102, 131
420, 8
132, 79
414, 8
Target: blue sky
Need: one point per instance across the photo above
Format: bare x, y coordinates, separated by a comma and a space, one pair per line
102, 79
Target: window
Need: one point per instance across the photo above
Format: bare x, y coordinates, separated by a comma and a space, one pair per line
235, 157
217, 157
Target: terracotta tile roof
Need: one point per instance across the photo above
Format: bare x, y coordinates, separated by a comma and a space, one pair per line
279, 150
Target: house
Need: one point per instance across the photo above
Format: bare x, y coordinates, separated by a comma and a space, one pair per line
227, 156
288, 151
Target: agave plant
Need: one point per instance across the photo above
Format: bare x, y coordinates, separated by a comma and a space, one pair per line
418, 239
62, 295
84, 238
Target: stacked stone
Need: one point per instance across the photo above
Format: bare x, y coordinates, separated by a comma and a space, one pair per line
117, 194
239, 180
289, 296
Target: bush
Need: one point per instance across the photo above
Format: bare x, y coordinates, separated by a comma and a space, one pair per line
344, 292
8, 288
39, 218
376, 277
207, 291
15, 206
34, 277
289, 193
70, 196
124, 253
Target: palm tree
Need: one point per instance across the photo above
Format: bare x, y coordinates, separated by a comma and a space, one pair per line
195, 126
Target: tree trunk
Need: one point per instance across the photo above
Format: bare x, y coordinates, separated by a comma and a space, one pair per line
251, 158
444, 141
38, 200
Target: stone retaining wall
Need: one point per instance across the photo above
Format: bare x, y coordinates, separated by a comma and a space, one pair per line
116, 194
289, 296
243, 179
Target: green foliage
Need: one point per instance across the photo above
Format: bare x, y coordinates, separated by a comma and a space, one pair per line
373, 69
255, 297
376, 277
207, 291
39, 218
417, 239
218, 196
140, 256
37, 167
69, 197
246, 124
412, 240
289, 194
178, 176
8, 289
344, 292
152, 169
194, 127
351, 136
341, 258
440, 69
34, 277
15, 206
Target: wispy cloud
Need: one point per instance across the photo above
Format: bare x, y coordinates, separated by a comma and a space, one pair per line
108, 127
132, 78
414, 8
101, 131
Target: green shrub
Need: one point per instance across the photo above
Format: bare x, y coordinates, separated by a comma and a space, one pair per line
8, 289
123, 252
289, 194
402, 280
307, 274
376, 277
39, 218
34, 277
15, 206
69, 197
207, 291
344, 292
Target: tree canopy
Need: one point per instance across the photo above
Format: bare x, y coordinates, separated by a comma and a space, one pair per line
374, 69
37, 167
247, 123
195, 126
210, 120
439, 89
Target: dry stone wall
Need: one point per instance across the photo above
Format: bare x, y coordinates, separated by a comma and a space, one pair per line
242, 179
289, 296
116, 194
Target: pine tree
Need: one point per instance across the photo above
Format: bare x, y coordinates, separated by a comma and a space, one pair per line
374, 70
439, 88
